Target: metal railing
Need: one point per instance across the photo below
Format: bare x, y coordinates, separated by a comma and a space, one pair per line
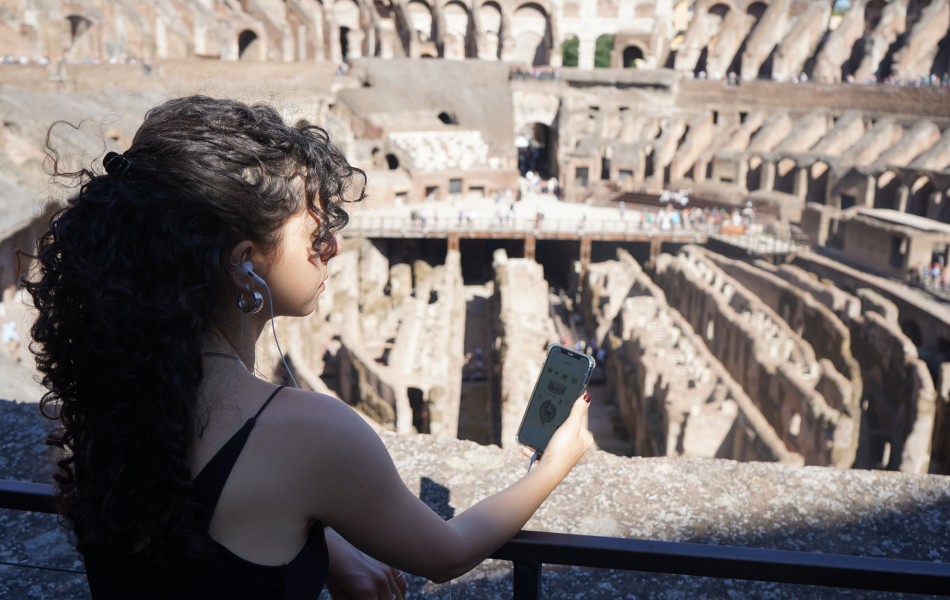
442, 225
529, 551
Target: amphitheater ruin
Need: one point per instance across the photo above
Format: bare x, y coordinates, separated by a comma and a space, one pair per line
792, 309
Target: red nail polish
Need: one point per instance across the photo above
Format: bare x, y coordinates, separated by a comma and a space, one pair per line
587, 397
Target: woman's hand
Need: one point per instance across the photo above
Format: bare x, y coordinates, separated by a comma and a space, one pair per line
355, 576
571, 440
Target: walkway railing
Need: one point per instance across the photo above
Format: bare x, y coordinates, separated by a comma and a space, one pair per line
442, 225
530, 550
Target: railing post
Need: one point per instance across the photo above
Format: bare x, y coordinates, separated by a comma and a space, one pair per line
527, 580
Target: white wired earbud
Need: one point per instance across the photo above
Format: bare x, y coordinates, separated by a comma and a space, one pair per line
247, 267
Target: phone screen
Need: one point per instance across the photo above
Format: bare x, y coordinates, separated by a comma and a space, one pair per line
564, 375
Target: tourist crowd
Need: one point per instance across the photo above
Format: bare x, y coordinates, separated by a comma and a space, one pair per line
934, 277
543, 73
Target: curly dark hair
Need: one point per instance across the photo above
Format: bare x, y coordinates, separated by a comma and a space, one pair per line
130, 272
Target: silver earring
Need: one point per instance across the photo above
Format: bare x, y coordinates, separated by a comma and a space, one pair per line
250, 303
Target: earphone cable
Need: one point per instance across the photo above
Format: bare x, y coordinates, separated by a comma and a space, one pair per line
273, 328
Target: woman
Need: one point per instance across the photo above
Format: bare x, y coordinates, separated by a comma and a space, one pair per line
182, 474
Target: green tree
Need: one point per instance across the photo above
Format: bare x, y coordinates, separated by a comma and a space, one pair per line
569, 51
602, 48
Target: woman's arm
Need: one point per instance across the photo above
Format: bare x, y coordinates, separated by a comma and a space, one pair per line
357, 491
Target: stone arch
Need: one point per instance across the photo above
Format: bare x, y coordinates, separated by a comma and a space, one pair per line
421, 21
755, 166
531, 31
570, 50
817, 181
250, 45
308, 22
915, 9
873, 11
718, 8
349, 32
459, 38
491, 30
918, 203
886, 187
602, 50
714, 13
756, 9
536, 150
785, 175
632, 56
81, 43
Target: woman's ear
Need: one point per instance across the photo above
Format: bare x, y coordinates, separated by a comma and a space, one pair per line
241, 252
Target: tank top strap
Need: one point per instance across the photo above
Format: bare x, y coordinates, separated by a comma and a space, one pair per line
266, 402
210, 481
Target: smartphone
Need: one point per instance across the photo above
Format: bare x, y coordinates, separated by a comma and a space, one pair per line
563, 377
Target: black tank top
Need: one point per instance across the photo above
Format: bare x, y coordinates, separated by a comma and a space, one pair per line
223, 574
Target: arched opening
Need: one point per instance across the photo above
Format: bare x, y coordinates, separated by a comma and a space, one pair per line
346, 13
785, 175
753, 178
531, 31
919, 201
247, 45
344, 43
873, 11
602, 49
912, 330
80, 45
817, 182
458, 41
756, 10
632, 57
392, 161
448, 119
570, 51
489, 19
719, 10
534, 150
886, 192
78, 25
606, 156
420, 409
421, 21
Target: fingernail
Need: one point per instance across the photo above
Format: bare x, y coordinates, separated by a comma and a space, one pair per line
587, 397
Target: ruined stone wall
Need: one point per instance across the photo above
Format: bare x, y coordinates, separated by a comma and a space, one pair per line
385, 315
366, 385
929, 318
900, 395
891, 361
825, 332
674, 397
428, 348
523, 330
776, 368
843, 304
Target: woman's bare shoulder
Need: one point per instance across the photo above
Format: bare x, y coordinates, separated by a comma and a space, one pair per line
321, 441
305, 411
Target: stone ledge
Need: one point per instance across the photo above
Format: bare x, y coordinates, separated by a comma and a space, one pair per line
814, 509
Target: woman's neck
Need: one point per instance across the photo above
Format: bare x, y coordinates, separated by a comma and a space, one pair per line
240, 344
